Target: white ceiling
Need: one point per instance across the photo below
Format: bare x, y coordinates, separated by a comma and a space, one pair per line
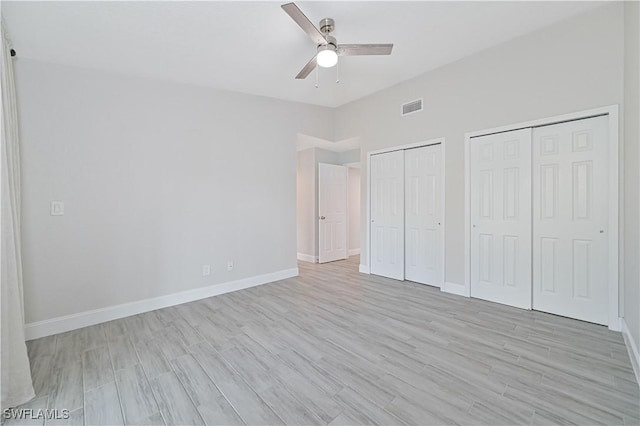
256, 48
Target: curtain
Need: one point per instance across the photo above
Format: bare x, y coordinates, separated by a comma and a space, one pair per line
16, 385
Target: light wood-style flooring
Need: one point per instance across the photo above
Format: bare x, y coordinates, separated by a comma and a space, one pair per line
333, 346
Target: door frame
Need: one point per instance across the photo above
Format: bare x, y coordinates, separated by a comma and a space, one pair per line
365, 269
614, 199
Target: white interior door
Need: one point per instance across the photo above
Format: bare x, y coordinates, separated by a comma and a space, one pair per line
570, 196
332, 210
501, 218
423, 198
387, 214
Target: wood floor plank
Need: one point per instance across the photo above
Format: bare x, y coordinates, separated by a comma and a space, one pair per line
122, 353
248, 367
246, 402
219, 412
288, 407
96, 368
196, 382
175, 405
188, 334
170, 342
152, 358
102, 406
374, 413
67, 392
136, 396
41, 374
319, 402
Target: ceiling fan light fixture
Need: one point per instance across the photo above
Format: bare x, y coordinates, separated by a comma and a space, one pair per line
327, 56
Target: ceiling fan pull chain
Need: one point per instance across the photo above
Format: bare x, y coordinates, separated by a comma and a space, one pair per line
316, 77
337, 72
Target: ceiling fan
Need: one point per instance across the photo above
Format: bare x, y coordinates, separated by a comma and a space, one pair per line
328, 48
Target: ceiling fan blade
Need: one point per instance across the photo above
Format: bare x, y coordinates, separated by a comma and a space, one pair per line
364, 49
304, 23
306, 70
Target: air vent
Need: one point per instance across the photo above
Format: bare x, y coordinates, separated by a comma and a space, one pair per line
411, 107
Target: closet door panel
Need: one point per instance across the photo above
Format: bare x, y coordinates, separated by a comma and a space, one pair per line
570, 217
501, 218
423, 206
387, 214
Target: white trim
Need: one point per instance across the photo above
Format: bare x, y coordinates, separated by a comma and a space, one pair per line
367, 236
353, 252
632, 348
64, 323
467, 215
307, 258
436, 141
363, 269
407, 146
355, 165
443, 216
454, 288
614, 197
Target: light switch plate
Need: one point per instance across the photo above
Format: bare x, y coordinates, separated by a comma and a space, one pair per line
57, 208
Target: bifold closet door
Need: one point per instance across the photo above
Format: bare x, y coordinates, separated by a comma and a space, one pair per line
570, 236
423, 198
387, 214
501, 218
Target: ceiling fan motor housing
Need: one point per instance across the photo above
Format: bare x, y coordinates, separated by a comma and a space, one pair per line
327, 25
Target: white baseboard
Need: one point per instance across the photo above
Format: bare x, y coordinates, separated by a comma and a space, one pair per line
454, 288
364, 269
354, 252
632, 348
616, 324
57, 325
307, 258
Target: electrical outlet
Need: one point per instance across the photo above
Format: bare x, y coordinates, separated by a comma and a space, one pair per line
206, 270
57, 208
230, 265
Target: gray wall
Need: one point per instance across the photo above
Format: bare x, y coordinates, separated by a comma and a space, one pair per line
573, 65
306, 201
631, 166
354, 208
352, 156
158, 179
